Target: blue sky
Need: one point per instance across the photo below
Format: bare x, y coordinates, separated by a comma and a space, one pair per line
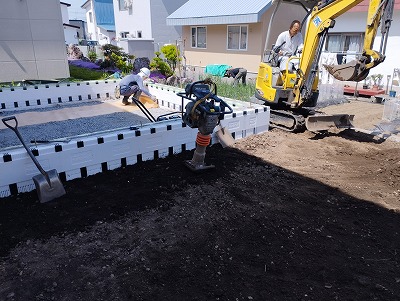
75, 11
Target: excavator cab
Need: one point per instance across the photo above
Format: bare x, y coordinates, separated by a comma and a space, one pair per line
274, 88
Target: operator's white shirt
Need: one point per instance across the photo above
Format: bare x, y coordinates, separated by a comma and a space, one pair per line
288, 48
291, 43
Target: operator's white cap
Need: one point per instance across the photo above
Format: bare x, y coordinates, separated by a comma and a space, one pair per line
145, 72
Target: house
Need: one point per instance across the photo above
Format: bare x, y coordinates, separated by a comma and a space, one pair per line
82, 28
229, 32
100, 21
32, 43
71, 31
141, 25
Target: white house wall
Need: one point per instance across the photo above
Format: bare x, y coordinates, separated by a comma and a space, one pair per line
64, 13
138, 47
134, 19
70, 35
91, 23
163, 34
32, 44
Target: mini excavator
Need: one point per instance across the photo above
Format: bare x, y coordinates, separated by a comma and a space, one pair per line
292, 96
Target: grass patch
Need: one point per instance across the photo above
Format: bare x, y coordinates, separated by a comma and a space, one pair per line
224, 88
79, 73
239, 92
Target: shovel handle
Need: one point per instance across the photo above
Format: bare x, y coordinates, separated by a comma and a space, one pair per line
15, 129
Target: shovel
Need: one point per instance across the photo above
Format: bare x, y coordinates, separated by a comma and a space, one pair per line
48, 184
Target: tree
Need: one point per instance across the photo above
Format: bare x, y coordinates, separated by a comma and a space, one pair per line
171, 54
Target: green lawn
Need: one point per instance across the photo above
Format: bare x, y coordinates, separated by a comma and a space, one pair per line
78, 73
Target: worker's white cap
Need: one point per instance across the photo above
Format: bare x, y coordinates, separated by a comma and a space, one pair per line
145, 72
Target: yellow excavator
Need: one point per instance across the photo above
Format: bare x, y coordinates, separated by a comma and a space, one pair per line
293, 95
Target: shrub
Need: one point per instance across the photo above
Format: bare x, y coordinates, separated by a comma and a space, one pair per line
114, 57
84, 64
377, 79
92, 55
159, 64
158, 77
124, 65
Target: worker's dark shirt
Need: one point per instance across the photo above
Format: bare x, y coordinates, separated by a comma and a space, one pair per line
232, 72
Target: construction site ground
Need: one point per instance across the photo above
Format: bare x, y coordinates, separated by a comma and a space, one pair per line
281, 217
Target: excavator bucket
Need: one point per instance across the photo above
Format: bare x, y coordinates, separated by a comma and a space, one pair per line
352, 71
345, 72
317, 123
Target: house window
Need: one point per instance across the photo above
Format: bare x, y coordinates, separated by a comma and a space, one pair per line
90, 17
344, 42
139, 34
237, 37
199, 37
124, 34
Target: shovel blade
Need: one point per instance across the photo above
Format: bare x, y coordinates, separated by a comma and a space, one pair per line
48, 191
316, 123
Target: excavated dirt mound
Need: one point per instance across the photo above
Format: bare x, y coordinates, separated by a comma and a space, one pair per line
281, 217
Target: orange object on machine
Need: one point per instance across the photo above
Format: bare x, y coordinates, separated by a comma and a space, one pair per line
203, 140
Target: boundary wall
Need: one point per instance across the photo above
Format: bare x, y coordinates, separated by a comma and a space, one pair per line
99, 152
39, 96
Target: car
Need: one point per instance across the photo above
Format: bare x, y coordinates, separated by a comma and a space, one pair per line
92, 43
89, 43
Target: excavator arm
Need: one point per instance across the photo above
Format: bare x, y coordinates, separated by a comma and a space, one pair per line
322, 18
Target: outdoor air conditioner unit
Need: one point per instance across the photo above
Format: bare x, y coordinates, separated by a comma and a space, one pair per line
128, 3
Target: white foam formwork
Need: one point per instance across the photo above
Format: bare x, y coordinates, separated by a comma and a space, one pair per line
391, 110
22, 98
91, 154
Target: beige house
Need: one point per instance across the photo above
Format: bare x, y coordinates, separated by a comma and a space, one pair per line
230, 32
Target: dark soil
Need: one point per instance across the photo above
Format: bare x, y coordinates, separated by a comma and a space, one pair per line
281, 217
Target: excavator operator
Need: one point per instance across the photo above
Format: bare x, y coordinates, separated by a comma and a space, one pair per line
287, 44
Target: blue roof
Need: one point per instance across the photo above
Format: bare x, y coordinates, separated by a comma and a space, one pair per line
104, 12
107, 27
205, 12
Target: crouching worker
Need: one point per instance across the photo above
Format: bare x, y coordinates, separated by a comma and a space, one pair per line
132, 85
237, 74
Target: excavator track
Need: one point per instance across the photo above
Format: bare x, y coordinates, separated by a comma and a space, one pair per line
287, 121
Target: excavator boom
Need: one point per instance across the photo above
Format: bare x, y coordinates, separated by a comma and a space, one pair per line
322, 19
379, 12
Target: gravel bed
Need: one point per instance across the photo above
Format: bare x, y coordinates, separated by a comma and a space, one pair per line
68, 129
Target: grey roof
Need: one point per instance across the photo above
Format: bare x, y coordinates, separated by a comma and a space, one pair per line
205, 12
